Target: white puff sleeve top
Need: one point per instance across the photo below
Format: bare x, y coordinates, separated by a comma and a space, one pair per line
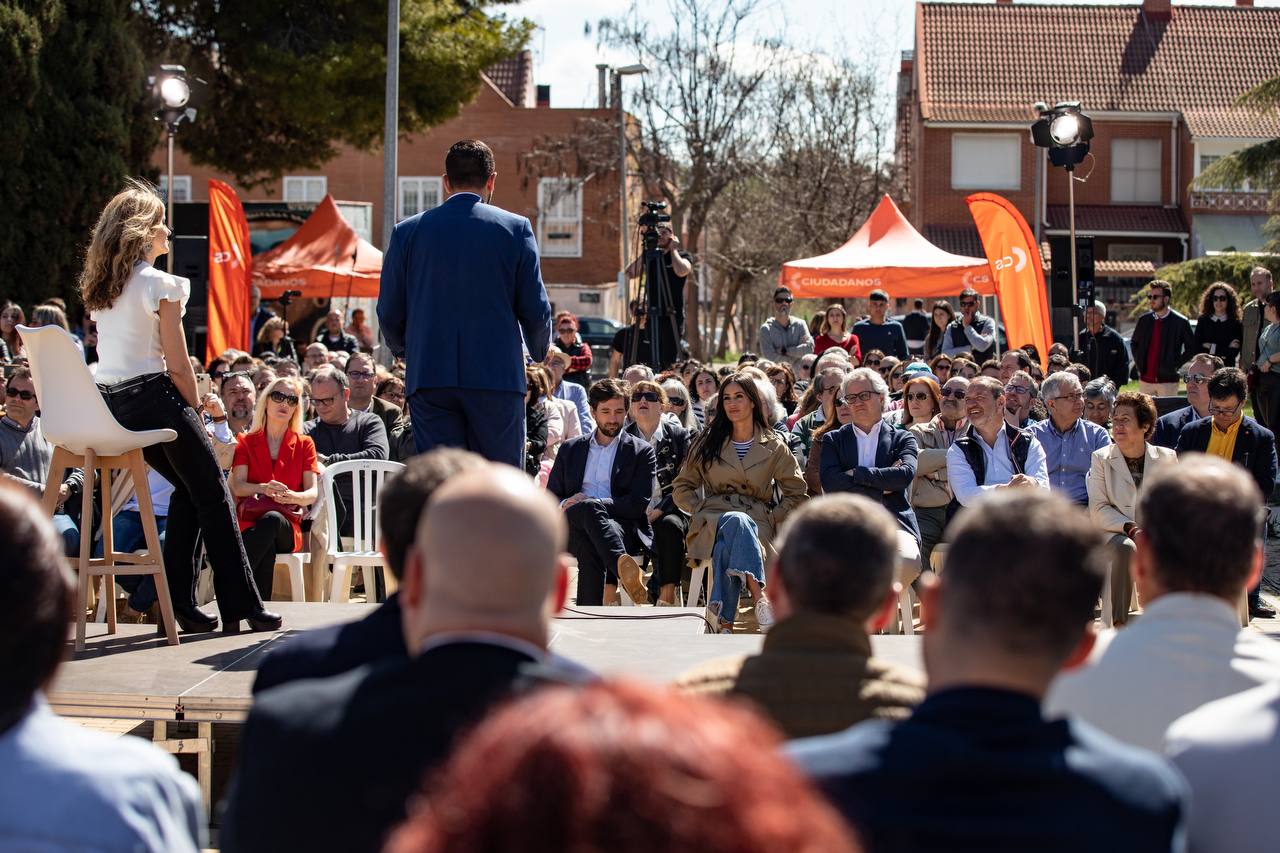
129, 331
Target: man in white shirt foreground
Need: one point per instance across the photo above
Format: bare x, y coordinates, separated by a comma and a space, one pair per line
1199, 548
992, 455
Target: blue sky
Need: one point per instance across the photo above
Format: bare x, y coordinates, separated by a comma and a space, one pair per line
565, 55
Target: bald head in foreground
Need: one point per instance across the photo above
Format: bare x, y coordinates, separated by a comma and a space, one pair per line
481, 583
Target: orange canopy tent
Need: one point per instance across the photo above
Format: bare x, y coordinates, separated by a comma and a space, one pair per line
324, 258
886, 254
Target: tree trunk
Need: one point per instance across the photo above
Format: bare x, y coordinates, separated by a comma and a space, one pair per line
692, 326
735, 287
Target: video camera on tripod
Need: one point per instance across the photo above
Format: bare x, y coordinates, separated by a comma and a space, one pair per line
655, 296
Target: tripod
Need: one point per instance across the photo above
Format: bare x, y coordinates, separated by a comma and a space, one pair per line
655, 295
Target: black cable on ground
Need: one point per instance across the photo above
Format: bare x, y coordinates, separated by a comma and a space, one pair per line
582, 614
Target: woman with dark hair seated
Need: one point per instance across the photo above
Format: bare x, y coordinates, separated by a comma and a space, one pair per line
273, 339
622, 768
727, 487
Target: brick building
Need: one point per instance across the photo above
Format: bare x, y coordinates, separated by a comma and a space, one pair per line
1159, 81
575, 217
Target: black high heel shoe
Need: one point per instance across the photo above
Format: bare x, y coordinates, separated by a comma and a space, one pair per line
193, 620
263, 620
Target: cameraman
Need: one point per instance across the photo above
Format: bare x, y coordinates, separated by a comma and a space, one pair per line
676, 265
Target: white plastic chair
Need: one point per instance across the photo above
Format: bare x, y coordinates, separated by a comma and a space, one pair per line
367, 476
76, 421
295, 562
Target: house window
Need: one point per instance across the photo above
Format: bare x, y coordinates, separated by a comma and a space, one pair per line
305, 188
181, 187
560, 217
1152, 252
1135, 171
986, 161
418, 194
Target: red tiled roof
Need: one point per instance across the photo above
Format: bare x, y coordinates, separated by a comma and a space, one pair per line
514, 78
1138, 218
964, 240
990, 62
1105, 268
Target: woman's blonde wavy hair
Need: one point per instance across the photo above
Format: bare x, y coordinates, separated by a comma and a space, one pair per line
120, 239
286, 385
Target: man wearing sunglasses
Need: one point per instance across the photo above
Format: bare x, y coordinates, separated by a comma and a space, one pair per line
1196, 373
782, 339
25, 456
972, 331
1162, 342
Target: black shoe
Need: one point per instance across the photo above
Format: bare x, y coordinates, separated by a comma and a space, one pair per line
1259, 609
263, 620
193, 620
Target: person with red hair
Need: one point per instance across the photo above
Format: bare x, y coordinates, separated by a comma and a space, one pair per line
621, 767
569, 343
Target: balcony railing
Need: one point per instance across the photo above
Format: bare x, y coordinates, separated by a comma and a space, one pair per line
1231, 201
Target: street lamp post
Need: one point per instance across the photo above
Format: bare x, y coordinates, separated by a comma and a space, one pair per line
624, 289
172, 91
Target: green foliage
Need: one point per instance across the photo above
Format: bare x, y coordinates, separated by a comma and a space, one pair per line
74, 124
291, 80
1190, 278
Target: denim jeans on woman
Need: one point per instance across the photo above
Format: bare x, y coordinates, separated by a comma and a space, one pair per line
127, 535
735, 555
201, 502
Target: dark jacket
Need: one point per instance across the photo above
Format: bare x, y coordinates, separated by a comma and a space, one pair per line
981, 769
284, 348
886, 482
334, 649
345, 342
390, 413
1169, 427
372, 733
631, 483
671, 451
1019, 445
1255, 449
1177, 344
1105, 355
1217, 336
535, 437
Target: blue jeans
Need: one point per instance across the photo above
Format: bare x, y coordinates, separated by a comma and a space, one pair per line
69, 533
735, 555
126, 536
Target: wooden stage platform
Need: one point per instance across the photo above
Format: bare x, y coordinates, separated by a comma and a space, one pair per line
208, 678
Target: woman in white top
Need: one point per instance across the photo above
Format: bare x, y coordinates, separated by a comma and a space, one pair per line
145, 376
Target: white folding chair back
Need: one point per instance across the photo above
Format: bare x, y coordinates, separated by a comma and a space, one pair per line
367, 477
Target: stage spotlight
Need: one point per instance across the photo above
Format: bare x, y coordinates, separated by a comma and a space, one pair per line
171, 91
174, 92
1064, 130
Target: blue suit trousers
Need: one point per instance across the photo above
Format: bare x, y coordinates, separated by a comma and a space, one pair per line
490, 423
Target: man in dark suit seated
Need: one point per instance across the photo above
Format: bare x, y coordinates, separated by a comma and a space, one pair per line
604, 482
1230, 434
977, 767
483, 578
1196, 373
869, 457
460, 284
338, 648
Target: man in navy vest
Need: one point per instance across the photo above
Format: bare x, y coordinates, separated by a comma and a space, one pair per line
460, 284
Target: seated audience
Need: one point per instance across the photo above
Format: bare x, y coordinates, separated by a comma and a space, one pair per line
273, 478
322, 652
1099, 400
623, 768
813, 464
1230, 434
930, 493
784, 385
815, 674
64, 786
1115, 478
571, 344
391, 389
239, 398
558, 362
1011, 362
536, 425
992, 455
739, 482
670, 443
677, 404
316, 356
25, 457
1020, 395
1196, 374
977, 766
817, 408
341, 434
333, 337
361, 377
287, 367
702, 390
1198, 549
1068, 440
476, 613
922, 399
604, 481
804, 371
870, 458
273, 339
636, 373
1227, 750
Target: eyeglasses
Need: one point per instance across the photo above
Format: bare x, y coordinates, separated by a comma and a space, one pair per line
1196, 379
782, 301
872, 362
1017, 389
1224, 410
281, 397
1219, 297
942, 368
564, 329
1076, 397
322, 401
968, 304
958, 393
21, 395
360, 375
919, 396
646, 396
861, 397
830, 390
678, 401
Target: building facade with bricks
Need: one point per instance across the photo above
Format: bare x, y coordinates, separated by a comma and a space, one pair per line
1158, 79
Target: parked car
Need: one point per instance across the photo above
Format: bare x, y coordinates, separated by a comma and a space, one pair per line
597, 333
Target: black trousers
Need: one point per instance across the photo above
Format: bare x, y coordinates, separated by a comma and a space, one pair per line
1266, 401
595, 541
270, 535
668, 549
201, 503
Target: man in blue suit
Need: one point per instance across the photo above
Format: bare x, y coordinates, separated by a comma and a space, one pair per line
604, 481
1197, 373
869, 457
460, 283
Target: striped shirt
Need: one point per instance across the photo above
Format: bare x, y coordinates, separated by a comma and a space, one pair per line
742, 447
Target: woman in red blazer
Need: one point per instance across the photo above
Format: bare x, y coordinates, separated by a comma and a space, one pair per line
273, 477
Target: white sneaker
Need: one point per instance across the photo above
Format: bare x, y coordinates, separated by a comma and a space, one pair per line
764, 615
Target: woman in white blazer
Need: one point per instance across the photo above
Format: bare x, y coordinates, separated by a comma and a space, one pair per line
1116, 474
